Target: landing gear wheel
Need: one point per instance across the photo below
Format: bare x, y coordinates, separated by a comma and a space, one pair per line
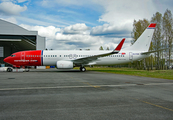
82, 69
9, 70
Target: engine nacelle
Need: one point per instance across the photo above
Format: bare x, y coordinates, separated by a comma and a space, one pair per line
64, 65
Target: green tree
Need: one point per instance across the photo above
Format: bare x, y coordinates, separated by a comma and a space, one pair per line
107, 48
168, 32
157, 37
138, 29
101, 48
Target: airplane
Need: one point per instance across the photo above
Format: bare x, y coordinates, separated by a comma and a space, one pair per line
68, 59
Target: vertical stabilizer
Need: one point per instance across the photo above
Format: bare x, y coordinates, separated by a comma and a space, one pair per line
143, 42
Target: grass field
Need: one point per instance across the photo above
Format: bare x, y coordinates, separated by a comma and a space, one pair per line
165, 74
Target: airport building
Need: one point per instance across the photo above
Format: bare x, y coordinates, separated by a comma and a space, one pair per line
14, 38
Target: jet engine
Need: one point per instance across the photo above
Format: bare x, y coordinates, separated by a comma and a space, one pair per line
64, 65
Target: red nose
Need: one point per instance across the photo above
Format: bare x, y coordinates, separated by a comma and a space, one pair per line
6, 60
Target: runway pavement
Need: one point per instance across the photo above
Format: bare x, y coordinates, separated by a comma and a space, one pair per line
62, 95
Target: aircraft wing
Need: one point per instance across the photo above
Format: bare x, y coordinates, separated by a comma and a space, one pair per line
87, 60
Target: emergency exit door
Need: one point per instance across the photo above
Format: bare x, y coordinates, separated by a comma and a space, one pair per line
130, 56
22, 55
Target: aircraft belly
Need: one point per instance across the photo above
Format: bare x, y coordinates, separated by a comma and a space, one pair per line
111, 61
47, 61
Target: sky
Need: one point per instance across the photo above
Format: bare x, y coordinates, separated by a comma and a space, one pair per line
81, 24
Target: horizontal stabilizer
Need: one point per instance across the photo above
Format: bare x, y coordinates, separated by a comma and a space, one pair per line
145, 53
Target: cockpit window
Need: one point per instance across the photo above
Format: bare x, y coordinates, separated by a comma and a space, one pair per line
13, 55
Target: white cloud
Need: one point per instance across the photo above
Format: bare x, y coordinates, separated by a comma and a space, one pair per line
21, 1
10, 19
79, 28
48, 32
80, 41
111, 30
121, 12
66, 2
119, 16
9, 8
55, 39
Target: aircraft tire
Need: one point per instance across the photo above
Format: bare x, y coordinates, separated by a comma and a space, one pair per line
9, 70
82, 69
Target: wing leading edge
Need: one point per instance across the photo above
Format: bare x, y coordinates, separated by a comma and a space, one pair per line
87, 60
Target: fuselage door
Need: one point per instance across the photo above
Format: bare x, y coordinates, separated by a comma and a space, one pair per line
130, 56
22, 55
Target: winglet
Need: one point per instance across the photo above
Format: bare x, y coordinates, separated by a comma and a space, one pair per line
118, 48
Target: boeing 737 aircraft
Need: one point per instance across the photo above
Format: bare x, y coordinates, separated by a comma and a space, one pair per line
68, 59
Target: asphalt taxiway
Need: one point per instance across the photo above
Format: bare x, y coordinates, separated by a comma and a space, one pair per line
71, 94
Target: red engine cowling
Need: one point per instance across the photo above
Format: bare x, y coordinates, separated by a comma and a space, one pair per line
64, 65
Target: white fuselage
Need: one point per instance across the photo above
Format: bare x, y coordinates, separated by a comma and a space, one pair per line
51, 57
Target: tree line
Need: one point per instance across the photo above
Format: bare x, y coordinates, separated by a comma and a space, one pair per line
162, 39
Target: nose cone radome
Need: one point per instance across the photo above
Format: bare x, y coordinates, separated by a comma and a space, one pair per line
6, 60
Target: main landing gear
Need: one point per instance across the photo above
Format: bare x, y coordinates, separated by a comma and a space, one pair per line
82, 69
